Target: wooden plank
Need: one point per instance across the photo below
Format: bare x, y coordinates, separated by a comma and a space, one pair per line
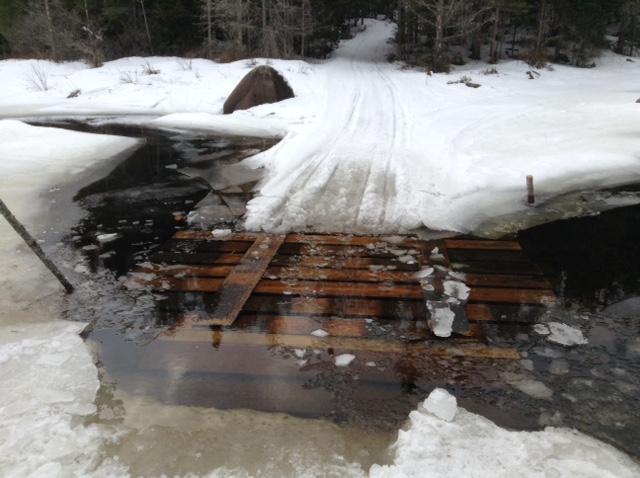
350, 240
195, 258
479, 313
191, 284
179, 271
355, 275
480, 244
507, 281
467, 255
514, 296
342, 263
205, 246
208, 236
237, 287
324, 250
340, 344
338, 289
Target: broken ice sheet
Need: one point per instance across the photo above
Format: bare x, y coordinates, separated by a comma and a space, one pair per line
344, 360
441, 318
456, 289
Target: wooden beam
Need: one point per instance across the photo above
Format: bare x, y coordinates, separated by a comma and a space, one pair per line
239, 285
339, 289
480, 244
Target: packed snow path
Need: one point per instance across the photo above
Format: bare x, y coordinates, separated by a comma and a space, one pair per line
392, 150
350, 180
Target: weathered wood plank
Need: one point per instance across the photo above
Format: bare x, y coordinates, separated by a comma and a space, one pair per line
208, 236
338, 289
481, 244
508, 281
238, 285
355, 275
479, 313
195, 258
350, 240
339, 250
343, 263
513, 296
205, 246
340, 344
180, 271
469, 255
191, 284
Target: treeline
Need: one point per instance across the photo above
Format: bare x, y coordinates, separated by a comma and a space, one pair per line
434, 33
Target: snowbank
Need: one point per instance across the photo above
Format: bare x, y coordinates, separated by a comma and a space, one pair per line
470, 445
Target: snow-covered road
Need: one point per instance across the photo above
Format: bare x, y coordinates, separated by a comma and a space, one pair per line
348, 180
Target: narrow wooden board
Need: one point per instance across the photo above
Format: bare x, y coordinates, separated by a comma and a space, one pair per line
330, 250
195, 258
339, 344
510, 268
208, 236
339, 289
482, 244
238, 285
205, 246
368, 263
184, 270
354, 275
507, 281
172, 284
479, 313
513, 296
350, 240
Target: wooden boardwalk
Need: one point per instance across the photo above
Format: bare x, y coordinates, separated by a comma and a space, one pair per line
338, 284
278, 312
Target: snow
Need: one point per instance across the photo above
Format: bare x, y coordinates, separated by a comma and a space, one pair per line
470, 445
366, 147
442, 404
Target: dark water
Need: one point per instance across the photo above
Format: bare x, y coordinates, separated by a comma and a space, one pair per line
593, 262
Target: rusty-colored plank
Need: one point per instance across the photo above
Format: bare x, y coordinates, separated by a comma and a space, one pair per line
507, 281
513, 296
195, 258
339, 250
350, 240
339, 344
238, 285
208, 236
469, 255
205, 246
481, 244
339, 289
479, 313
342, 263
355, 275
179, 271
192, 284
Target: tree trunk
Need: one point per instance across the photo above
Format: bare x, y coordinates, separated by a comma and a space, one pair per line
52, 42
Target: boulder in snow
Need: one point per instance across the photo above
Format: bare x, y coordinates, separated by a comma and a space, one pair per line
261, 85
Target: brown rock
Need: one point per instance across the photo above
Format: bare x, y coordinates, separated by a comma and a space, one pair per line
261, 85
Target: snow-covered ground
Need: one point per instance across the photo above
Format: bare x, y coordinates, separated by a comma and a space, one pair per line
366, 146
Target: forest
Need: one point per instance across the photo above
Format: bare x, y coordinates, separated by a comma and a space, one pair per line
433, 34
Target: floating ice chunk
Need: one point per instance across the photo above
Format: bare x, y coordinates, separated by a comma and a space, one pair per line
425, 272
91, 247
371, 364
442, 404
541, 329
300, 353
533, 388
456, 289
441, 319
565, 335
102, 238
344, 360
320, 333
218, 233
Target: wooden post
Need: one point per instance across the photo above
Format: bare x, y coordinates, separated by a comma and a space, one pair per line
31, 242
531, 199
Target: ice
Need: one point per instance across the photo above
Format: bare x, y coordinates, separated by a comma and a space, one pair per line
456, 289
565, 335
102, 238
423, 273
441, 319
220, 233
442, 404
320, 333
344, 360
